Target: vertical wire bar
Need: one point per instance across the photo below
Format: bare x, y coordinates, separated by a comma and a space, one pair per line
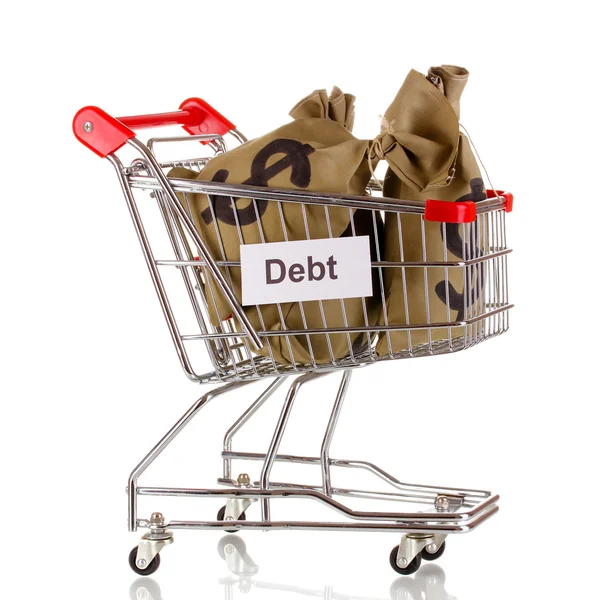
506, 295
219, 345
486, 295
175, 241
300, 303
469, 274
379, 258
342, 304
503, 267
329, 433
475, 279
241, 241
447, 281
272, 452
211, 265
500, 298
279, 307
363, 301
404, 282
493, 290
426, 283
321, 309
244, 418
151, 265
229, 276
464, 285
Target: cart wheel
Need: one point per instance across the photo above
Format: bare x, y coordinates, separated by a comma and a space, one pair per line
429, 556
222, 512
151, 568
410, 569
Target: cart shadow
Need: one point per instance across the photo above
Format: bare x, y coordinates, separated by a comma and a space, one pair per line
427, 584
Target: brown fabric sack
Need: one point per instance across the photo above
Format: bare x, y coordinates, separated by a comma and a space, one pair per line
318, 152
461, 181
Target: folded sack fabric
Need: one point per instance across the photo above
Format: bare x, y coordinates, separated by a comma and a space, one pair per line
318, 152
430, 160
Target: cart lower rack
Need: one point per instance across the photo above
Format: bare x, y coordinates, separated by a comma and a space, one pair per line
197, 276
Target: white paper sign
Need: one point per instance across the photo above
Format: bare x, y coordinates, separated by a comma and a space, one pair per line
325, 269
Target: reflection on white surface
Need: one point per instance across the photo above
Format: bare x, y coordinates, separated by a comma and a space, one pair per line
145, 588
427, 584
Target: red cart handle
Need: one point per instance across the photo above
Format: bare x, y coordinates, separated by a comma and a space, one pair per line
104, 134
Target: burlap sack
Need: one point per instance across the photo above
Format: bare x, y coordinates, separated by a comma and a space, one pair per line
316, 151
445, 84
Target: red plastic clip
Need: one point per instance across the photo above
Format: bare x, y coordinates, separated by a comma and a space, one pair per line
441, 211
507, 195
206, 118
100, 132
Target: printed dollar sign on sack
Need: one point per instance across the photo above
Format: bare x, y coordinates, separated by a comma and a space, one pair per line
324, 269
454, 243
297, 159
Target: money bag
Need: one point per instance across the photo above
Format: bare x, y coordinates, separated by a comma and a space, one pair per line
432, 295
316, 151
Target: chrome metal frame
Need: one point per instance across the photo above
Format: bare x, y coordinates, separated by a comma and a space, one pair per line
230, 342
456, 510
231, 345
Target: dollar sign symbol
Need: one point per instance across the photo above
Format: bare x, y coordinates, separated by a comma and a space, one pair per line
297, 159
456, 246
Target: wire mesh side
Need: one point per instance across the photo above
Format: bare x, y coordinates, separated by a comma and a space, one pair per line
438, 287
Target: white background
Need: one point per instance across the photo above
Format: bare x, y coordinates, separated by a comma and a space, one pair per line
89, 378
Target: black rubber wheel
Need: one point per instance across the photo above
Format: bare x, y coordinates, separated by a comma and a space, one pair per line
428, 556
151, 568
222, 512
413, 567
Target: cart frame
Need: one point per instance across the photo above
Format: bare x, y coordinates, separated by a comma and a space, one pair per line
230, 346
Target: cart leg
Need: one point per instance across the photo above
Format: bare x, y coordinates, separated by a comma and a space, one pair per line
165, 442
244, 418
270, 457
329, 434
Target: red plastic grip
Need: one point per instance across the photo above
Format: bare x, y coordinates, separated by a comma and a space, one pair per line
179, 117
104, 134
195, 115
100, 132
507, 195
441, 211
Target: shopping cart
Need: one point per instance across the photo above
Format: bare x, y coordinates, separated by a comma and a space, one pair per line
187, 274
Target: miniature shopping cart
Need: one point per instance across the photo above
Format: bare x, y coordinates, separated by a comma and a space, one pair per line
187, 272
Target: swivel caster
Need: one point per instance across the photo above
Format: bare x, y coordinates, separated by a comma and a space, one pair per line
414, 547
408, 568
429, 554
149, 569
222, 515
144, 559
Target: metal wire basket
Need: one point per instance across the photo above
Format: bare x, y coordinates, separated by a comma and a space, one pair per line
188, 273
